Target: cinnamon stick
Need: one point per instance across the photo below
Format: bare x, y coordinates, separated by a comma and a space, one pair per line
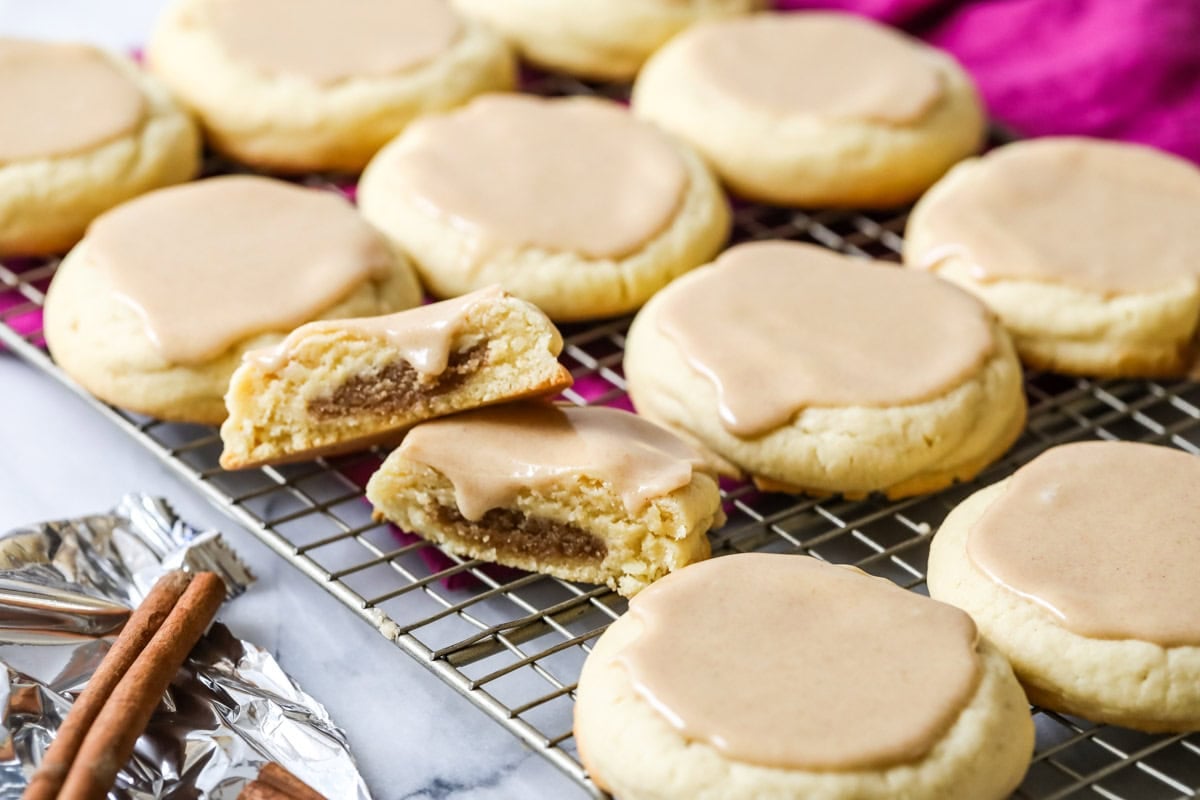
257, 790
139, 629
275, 775
110, 741
276, 783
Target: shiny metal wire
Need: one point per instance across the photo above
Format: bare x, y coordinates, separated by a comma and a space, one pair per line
513, 644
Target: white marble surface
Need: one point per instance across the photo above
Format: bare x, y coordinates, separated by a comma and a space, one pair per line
413, 736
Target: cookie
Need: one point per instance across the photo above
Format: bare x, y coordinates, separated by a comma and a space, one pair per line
600, 39
569, 203
340, 385
1081, 568
82, 131
1086, 250
305, 85
810, 371
585, 494
814, 109
154, 308
760, 675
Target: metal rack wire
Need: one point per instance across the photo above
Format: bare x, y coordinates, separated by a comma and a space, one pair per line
514, 643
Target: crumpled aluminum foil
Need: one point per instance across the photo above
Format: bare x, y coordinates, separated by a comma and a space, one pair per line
231, 708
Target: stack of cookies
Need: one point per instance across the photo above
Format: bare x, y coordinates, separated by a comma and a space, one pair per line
298, 322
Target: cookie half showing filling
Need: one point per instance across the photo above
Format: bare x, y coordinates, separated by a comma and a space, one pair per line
339, 385
764, 675
586, 494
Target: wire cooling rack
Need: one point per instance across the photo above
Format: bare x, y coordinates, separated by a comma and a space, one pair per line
514, 643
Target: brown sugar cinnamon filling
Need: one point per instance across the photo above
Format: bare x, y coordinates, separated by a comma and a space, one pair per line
536, 537
398, 387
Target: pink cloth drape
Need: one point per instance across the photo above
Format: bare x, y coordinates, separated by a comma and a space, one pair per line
1118, 69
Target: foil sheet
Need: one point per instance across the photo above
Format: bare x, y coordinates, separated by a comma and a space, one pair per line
229, 710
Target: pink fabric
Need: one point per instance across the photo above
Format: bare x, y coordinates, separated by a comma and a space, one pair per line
893, 12
1118, 69
23, 322
27, 321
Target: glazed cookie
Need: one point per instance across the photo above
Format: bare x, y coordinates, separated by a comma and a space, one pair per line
303, 85
586, 494
1085, 249
571, 203
339, 385
601, 39
759, 675
1081, 568
814, 109
153, 310
815, 372
81, 131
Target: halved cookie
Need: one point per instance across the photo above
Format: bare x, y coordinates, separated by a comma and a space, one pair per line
588, 494
338, 385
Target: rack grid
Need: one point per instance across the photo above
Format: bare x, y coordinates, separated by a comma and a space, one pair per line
513, 643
